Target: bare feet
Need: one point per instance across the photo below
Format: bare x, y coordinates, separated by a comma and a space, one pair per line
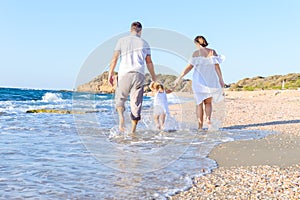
121, 128
133, 126
158, 127
208, 122
121, 124
200, 126
121, 119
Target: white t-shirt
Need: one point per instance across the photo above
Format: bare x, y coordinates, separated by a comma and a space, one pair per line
133, 51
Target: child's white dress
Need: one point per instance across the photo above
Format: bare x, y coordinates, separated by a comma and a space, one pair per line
205, 82
160, 103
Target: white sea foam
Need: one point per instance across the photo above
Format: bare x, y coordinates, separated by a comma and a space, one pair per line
52, 97
33, 139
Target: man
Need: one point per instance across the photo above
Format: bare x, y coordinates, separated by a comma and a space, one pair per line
134, 52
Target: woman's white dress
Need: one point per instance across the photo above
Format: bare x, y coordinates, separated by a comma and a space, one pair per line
206, 82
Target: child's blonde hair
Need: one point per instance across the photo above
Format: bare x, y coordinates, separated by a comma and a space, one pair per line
156, 85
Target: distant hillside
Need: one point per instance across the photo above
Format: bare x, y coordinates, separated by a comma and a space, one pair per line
100, 84
289, 81
97, 85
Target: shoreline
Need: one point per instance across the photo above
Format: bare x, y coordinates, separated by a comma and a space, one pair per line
251, 169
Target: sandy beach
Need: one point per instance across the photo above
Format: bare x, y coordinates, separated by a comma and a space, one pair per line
267, 168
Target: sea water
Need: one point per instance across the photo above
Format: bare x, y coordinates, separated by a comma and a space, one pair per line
84, 156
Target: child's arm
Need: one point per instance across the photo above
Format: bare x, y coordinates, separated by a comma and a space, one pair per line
168, 91
150, 94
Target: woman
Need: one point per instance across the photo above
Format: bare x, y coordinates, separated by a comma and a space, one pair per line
207, 80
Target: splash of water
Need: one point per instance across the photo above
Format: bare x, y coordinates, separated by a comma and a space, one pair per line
52, 97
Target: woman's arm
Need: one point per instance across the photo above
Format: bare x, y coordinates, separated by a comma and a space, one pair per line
219, 73
187, 69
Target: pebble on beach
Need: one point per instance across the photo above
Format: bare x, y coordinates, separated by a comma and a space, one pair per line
263, 110
251, 182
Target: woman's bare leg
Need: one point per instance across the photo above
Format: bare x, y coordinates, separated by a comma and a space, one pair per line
208, 109
199, 113
156, 120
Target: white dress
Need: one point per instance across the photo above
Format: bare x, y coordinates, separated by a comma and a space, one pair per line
206, 82
161, 103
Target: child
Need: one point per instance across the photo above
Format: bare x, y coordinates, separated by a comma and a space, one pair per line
161, 108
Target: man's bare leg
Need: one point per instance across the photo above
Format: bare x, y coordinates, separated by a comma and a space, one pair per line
120, 111
133, 125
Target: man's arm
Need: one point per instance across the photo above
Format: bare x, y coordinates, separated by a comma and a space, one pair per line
150, 67
112, 67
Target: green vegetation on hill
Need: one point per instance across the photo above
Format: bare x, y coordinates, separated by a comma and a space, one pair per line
289, 81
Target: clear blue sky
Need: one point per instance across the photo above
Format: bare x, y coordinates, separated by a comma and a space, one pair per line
43, 44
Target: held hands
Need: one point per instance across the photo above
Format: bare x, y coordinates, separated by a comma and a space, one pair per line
176, 81
222, 83
168, 91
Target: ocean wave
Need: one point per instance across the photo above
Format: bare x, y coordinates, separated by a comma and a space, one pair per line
52, 97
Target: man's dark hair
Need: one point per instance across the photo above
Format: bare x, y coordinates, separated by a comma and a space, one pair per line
136, 26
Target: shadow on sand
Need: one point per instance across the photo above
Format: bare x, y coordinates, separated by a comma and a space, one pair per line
263, 124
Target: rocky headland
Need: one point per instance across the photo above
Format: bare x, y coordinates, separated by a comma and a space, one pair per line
290, 81
100, 84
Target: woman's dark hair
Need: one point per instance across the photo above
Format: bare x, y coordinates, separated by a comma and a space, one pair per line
201, 40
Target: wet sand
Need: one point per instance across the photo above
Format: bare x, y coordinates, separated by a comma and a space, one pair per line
267, 168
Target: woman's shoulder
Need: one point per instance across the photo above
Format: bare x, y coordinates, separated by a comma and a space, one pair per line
195, 54
212, 52
211, 58
205, 52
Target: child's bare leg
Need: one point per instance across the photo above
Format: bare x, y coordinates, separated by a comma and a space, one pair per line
156, 120
199, 113
208, 110
162, 120
120, 111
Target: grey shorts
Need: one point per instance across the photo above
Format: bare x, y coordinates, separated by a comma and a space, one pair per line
131, 84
